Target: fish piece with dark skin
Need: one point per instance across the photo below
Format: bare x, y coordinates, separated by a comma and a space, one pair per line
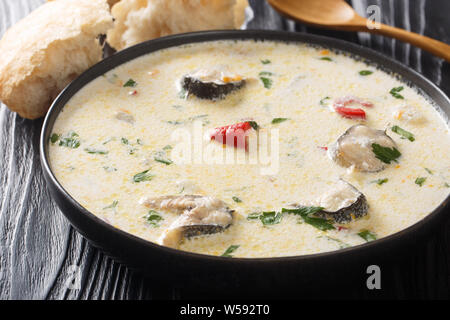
199, 215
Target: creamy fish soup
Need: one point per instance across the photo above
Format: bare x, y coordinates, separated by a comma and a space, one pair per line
252, 149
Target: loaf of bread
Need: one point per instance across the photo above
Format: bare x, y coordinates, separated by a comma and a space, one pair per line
47, 49
140, 20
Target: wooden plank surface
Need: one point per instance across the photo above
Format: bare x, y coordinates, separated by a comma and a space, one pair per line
42, 257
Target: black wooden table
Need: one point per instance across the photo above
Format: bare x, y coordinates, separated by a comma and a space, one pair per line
42, 257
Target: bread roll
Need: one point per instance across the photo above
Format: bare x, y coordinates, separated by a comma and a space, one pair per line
140, 20
47, 49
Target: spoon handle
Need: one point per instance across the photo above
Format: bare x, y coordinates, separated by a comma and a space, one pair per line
436, 47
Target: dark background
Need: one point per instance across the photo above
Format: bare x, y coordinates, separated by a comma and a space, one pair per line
40, 253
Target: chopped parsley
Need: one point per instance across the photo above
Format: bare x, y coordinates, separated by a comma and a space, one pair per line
265, 61
367, 235
385, 154
365, 72
267, 82
230, 250
405, 134
326, 58
253, 216
236, 199
162, 158
153, 218
54, 138
323, 101
306, 213
130, 83
95, 151
265, 73
270, 218
125, 141
70, 140
279, 120
395, 92
420, 181
429, 171
143, 176
253, 124
112, 205
380, 181
340, 243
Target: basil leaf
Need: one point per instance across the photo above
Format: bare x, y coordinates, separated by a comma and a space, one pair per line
365, 72
395, 92
279, 120
420, 181
367, 235
385, 154
405, 134
130, 83
230, 250
143, 176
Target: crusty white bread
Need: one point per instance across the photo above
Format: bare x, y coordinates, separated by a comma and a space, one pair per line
140, 20
47, 49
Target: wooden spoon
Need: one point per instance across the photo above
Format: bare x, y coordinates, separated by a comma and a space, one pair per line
337, 14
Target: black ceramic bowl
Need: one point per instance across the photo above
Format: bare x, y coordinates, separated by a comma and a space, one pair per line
289, 274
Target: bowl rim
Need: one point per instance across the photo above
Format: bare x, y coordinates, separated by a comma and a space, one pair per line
368, 55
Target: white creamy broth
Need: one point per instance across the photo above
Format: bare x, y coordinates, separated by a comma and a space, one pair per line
112, 147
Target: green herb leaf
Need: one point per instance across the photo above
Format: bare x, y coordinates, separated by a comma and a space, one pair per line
95, 151
253, 124
385, 154
54, 138
253, 216
323, 101
429, 171
229, 251
112, 205
365, 72
405, 134
130, 83
270, 218
395, 92
380, 181
265, 61
125, 141
326, 58
265, 73
153, 218
341, 243
279, 120
70, 140
306, 214
267, 82
367, 235
162, 158
446, 185
236, 199
143, 176
168, 147
420, 181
